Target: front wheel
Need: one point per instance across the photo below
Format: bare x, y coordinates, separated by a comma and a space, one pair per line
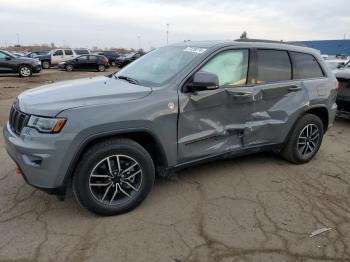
25, 71
113, 177
69, 68
305, 140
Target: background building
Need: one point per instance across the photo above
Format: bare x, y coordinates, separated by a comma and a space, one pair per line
329, 47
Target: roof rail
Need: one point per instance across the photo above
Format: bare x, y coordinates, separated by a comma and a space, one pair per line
268, 41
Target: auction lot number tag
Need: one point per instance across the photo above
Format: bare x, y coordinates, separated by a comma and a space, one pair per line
197, 50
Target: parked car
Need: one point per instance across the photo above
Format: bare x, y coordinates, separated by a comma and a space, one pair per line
111, 55
36, 54
127, 59
336, 63
56, 56
343, 97
84, 62
176, 106
24, 66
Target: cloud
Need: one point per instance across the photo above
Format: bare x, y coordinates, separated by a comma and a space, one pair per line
107, 23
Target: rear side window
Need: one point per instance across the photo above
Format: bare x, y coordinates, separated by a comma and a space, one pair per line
272, 66
81, 51
68, 52
305, 66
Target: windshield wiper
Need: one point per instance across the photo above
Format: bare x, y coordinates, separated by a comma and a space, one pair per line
129, 79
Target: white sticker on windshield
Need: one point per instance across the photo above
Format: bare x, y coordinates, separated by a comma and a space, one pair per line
197, 50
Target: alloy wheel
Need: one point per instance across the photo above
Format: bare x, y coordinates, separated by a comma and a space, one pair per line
115, 180
308, 140
25, 71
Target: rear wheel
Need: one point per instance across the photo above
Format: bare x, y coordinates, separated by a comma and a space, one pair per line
69, 68
25, 71
113, 177
305, 140
45, 64
101, 68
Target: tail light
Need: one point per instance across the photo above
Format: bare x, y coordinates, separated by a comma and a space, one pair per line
105, 60
337, 88
18, 171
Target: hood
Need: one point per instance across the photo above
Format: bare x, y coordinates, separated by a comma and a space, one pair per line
26, 59
49, 100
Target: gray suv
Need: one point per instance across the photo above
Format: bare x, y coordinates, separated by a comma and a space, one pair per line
24, 66
176, 106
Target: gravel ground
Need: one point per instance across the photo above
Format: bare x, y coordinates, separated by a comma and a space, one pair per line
253, 208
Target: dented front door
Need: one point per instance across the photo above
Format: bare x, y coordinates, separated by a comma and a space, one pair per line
212, 122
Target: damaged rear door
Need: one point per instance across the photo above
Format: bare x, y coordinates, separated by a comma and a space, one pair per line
212, 122
277, 98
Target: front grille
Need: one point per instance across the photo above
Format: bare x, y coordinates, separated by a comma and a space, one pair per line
17, 120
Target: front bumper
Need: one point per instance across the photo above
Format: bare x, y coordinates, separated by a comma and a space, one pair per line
37, 68
37, 155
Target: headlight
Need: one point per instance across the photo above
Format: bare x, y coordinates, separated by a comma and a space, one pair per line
46, 124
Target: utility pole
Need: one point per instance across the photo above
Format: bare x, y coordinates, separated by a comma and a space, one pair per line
167, 34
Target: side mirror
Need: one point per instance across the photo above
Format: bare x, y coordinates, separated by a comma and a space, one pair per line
203, 81
8, 58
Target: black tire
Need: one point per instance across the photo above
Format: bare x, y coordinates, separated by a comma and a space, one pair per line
101, 68
45, 64
93, 157
113, 64
293, 151
25, 71
69, 68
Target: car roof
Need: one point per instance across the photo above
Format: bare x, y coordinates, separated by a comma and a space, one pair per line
248, 43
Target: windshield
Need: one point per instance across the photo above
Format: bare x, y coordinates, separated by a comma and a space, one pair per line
160, 65
9, 54
129, 55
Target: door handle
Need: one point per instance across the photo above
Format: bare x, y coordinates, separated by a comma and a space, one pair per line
240, 94
294, 88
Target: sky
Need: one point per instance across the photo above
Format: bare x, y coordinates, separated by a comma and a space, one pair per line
142, 23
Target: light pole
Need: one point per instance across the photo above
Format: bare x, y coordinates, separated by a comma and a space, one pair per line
17, 39
139, 41
167, 34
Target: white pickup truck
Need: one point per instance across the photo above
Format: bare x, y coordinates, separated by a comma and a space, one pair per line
56, 56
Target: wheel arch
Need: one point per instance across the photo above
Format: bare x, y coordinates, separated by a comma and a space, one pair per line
322, 113
144, 137
318, 110
24, 64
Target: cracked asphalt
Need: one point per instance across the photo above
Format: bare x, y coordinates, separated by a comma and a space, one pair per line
253, 208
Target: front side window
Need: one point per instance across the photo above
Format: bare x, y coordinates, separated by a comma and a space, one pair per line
272, 66
305, 66
230, 66
2, 55
82, 58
